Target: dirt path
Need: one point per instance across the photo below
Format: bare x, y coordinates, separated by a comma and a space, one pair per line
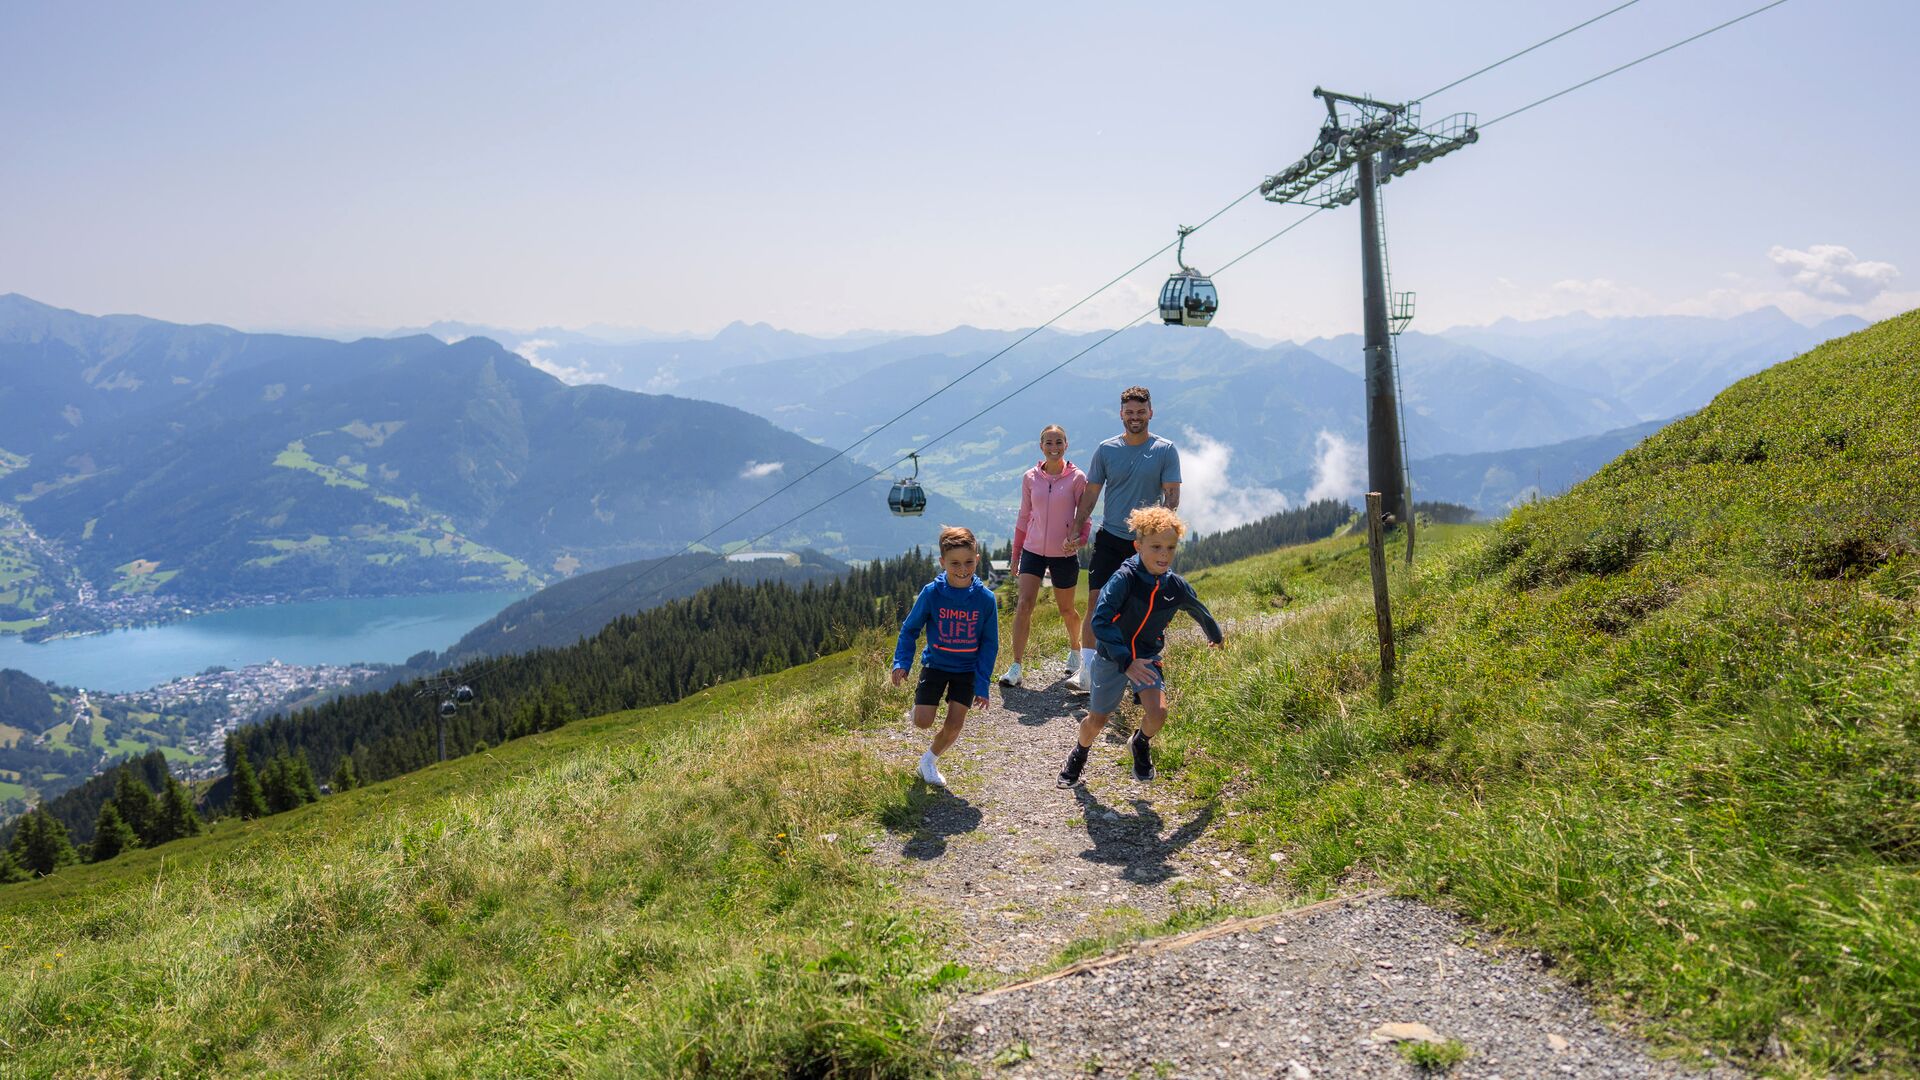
1026, 870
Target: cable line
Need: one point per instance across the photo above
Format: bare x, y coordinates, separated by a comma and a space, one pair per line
843, 451
1631, 63
1525, 51
1002, 400
1111, 334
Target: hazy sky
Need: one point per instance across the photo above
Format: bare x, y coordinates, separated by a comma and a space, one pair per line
827, 167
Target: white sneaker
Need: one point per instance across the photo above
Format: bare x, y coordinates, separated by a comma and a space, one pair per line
930, 770
1012, 677
1073, 661
1079, 682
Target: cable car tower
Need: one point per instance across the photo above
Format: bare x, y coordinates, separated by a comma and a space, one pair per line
1364, 144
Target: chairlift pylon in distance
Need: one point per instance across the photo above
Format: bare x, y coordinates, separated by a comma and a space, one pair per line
1188, 298
908, 499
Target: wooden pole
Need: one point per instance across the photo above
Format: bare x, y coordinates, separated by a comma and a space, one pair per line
1382, 605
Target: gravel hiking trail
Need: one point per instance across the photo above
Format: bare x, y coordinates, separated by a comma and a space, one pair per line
1023, 870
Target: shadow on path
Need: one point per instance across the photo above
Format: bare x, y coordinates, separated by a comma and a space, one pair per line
1035, 707
931, 816
1132, 841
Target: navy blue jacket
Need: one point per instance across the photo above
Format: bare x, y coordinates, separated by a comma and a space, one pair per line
963, 630
1130, 620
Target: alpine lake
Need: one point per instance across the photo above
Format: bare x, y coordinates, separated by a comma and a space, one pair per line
383, 630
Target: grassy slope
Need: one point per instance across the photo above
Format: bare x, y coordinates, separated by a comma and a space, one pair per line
646, 891
1636, 727
1666, 726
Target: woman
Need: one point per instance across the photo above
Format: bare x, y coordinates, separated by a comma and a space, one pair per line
1044, 545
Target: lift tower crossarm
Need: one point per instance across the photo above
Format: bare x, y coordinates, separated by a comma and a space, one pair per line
1373, 142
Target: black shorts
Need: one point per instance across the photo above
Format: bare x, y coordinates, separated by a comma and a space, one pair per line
1109, 551
1064, 569
957, 685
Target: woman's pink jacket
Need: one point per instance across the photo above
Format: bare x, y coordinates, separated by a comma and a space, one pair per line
1047, 503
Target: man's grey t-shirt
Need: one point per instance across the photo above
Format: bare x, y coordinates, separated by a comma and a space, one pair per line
1131, 477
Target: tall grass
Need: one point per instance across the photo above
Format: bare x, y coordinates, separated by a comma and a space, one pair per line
673, 892
1666, 727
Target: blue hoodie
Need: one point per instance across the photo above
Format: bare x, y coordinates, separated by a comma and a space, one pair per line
963, 630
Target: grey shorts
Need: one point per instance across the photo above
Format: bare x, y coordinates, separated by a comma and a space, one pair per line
1110, 684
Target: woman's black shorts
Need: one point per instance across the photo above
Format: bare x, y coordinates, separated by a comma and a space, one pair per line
956, 685
1064, 569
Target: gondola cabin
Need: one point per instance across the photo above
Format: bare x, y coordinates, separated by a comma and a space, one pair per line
1188, 300
907, 499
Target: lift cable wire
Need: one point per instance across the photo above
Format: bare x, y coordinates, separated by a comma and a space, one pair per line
887, 469
1632, 63
843, 451
1525, 51
484, 665
1270, 239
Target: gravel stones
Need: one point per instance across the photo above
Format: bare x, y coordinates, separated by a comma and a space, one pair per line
1309, 997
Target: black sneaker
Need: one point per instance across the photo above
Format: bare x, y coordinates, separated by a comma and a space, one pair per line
1076, 761
1142, 758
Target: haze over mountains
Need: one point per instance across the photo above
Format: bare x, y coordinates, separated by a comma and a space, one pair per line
206, 462
203, 462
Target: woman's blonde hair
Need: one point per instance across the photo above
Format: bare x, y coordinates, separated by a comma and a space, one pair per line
1051, 428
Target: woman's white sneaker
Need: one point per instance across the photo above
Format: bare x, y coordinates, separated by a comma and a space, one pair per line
1073, 661
930, 770
1012, 677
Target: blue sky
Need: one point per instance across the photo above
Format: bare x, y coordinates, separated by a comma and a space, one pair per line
837, 166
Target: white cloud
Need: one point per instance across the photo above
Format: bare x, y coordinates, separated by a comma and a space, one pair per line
572, 376
1822, 281
1338, 468
1209, 500
757, 469
1833, 272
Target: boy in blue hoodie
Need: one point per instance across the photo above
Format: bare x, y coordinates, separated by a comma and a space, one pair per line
962, 621
1130, 627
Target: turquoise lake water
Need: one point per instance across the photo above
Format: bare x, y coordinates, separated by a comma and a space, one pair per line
383, 630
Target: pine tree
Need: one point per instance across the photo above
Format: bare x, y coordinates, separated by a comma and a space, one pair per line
10, 869
249, 801
111, 834
300, 779
41, 845
275, 785
344, 777
177, 818
138, 808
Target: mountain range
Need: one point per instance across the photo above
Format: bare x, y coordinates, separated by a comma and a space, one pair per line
144, 458
203, 462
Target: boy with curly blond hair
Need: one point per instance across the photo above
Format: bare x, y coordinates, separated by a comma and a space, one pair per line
1129, 626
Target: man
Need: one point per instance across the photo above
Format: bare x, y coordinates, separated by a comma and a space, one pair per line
1134, 469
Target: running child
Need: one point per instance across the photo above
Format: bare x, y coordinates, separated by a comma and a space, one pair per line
962, 621
1129, 628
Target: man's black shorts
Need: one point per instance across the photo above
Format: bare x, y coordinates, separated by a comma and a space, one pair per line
1109, 551
1064, 569
956, 685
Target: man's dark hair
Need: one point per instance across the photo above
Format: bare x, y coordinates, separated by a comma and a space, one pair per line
1136, 393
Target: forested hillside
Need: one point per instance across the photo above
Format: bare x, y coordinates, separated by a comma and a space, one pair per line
1315, 521
578, 607
724, 632
200, 463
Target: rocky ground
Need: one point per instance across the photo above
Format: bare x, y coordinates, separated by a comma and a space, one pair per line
1356, 986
